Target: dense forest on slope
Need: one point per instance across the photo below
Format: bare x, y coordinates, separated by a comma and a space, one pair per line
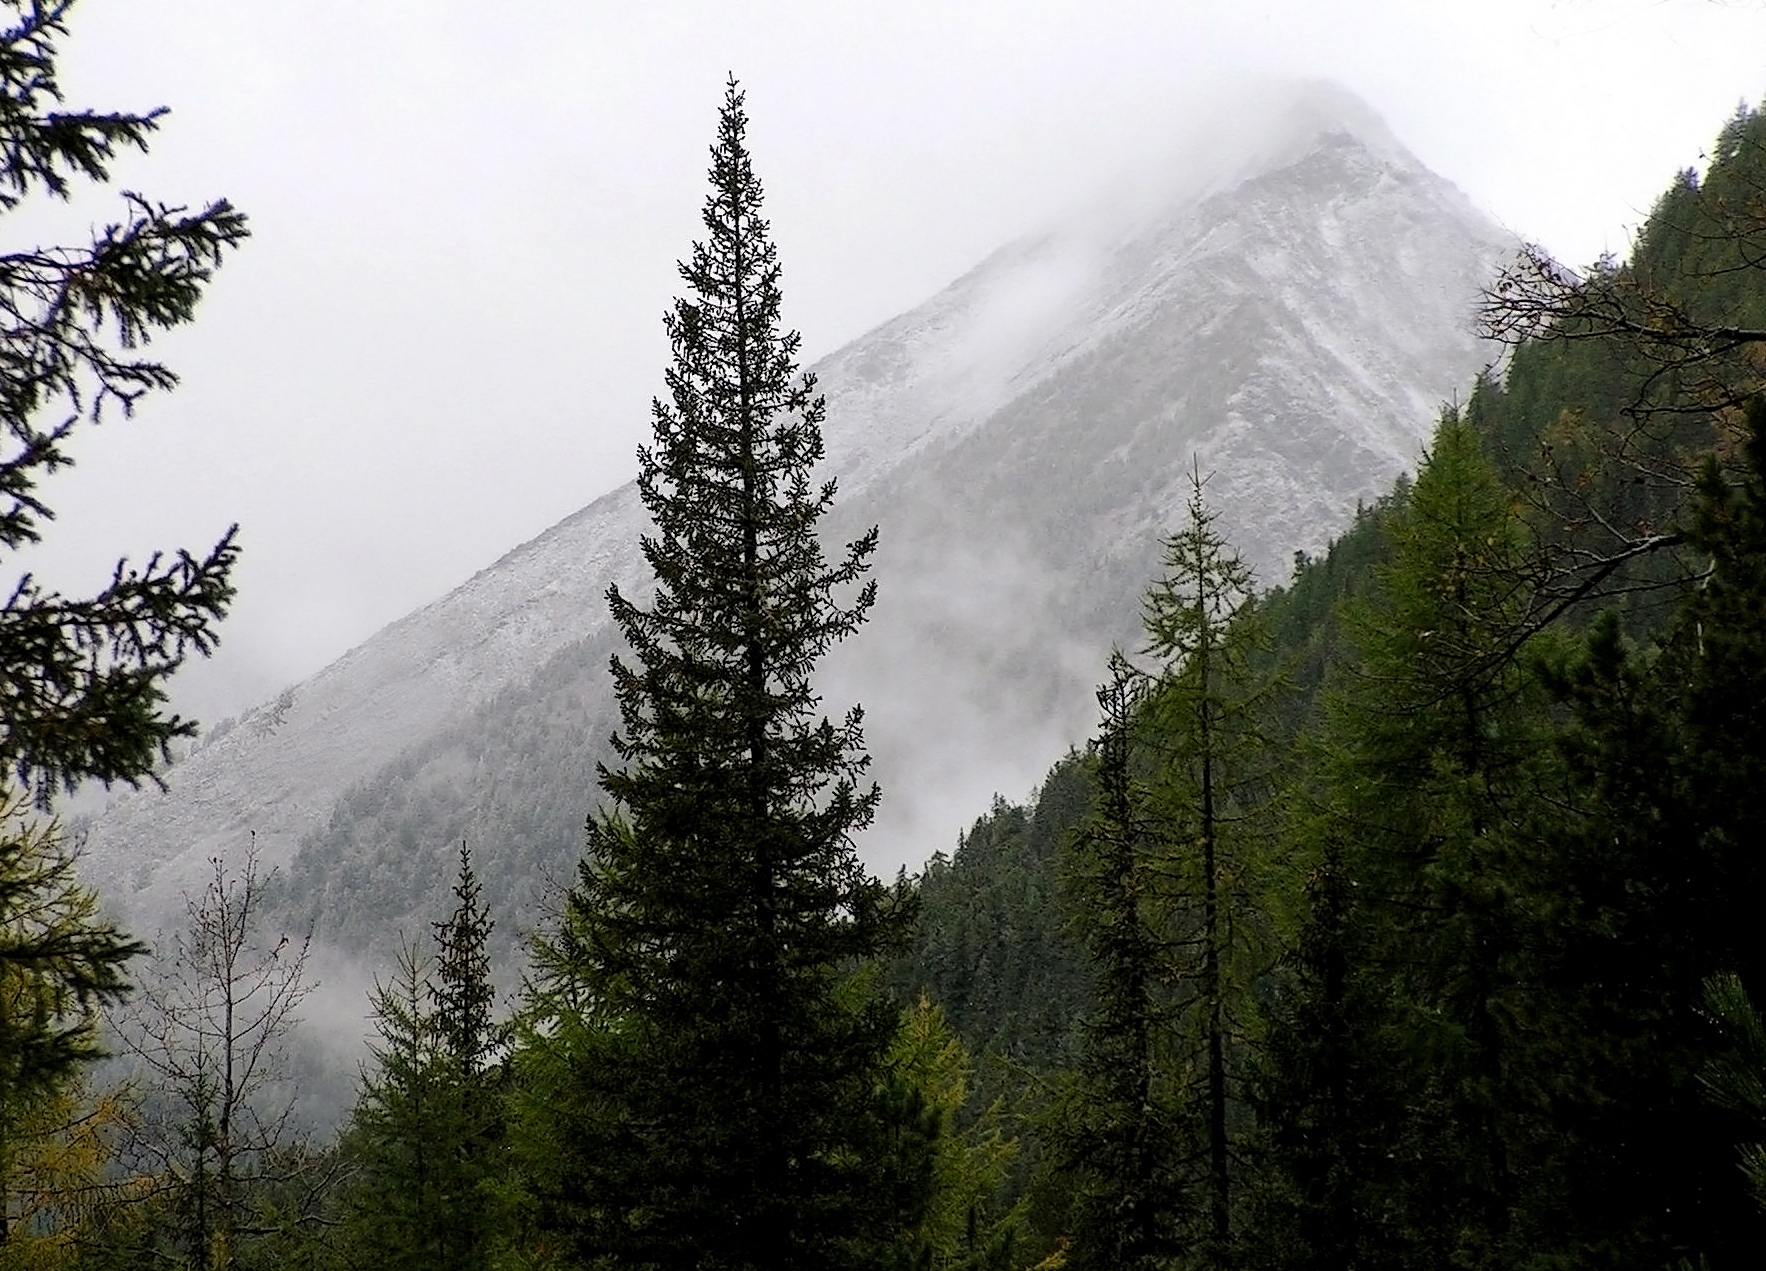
1600, 541
1403, 915
393, 834
1599, 397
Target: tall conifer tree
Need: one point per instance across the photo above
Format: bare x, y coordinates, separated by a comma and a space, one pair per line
1117, 1136
425, 1133
1205, 717
1438, 748
726, 1060
461, 994
1657, 889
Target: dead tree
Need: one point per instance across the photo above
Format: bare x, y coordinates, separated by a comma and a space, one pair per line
1680, 334
210, 1033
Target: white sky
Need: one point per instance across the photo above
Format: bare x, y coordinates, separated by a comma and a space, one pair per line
446, 331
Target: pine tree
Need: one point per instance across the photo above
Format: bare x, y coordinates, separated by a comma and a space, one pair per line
726, 1058
1718, 665
82, 681
1657, 886
1737, 1079
1321, 1091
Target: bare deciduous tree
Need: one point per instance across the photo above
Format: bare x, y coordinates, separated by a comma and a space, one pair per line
210, 1032
1675, 341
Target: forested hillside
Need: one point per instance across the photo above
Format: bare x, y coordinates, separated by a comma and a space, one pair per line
1495, 834
1403, 915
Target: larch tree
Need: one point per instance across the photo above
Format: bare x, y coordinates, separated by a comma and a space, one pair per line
211, 1030
59, 963
1438, 752
726, 1058
1204, 725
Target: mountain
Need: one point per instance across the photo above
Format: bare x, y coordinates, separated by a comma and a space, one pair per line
1287, 322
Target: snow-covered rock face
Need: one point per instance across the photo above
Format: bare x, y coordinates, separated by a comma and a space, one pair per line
1022, 440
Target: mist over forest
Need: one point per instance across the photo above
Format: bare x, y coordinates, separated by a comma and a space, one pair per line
1226, 736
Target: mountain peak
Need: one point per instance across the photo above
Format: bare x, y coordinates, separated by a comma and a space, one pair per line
1261, 127
1286, 314
1304, 113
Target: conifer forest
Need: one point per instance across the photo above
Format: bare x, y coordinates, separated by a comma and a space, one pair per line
1402, 914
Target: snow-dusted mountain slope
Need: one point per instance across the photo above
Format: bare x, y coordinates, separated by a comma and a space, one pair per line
1022, 439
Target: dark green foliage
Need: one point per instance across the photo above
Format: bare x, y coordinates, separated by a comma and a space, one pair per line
1736, 1080
425, 1137
1420, 936
994, 948
1117, 1133
82, 681
461, 994
1322, 1094
1518, 855
1718, 657
400, 1131
1663, 854
1432, 748
720, 1058
991, 945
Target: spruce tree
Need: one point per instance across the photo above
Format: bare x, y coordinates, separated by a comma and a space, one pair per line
425, 1133
725, 1059
461, 993
1117, 1135
82, 679
400, 1130
1321, 1090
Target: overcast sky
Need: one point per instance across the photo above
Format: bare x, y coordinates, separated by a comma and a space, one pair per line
445, 332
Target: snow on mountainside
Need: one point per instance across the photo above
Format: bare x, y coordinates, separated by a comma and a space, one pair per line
1022, 439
